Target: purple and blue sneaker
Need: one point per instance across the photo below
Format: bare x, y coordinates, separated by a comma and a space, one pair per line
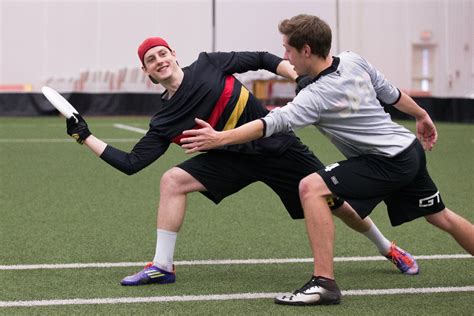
150, 274
402, 260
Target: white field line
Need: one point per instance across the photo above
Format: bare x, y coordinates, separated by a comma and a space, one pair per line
68, 140
60, 140
130, 128
222, 297
213, 262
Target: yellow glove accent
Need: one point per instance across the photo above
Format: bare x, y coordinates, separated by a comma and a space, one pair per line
77, 138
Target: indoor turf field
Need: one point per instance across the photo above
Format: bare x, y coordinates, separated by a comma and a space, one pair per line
71, 227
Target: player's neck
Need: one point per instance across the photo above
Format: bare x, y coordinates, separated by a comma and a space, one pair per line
172, 84
319, 64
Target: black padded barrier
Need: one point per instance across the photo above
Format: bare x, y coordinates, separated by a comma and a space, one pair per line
456, 110
459, 110
103, 104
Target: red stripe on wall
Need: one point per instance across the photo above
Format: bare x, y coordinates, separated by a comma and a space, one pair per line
218, 108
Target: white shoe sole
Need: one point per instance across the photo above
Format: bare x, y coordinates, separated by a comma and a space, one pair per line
300, 299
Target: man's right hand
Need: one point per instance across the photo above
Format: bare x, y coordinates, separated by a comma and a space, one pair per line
79, 131
426, 132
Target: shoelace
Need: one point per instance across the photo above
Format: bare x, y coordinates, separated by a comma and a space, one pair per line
149, 264
311, 283
397, 256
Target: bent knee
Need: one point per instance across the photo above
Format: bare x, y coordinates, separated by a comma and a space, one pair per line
179, 181
173, 179
313, 185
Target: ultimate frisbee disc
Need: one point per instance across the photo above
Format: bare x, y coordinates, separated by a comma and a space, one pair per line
59, 102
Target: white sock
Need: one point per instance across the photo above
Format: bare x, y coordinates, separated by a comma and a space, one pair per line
165, 242
382, 243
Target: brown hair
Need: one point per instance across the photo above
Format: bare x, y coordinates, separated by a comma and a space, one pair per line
307, 29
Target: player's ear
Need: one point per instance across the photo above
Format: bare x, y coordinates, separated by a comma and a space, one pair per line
307, 50
173, 53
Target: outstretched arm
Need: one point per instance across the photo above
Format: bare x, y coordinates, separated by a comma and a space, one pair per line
80, 132
147, 150
285, 69
206, 137
95, 144
425, 128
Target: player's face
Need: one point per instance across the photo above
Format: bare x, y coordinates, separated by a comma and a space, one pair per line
295, 57
160, 63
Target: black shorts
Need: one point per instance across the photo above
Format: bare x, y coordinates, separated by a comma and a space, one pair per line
223, 173
402, 182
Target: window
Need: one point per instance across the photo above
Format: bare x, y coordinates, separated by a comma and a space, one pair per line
423, 68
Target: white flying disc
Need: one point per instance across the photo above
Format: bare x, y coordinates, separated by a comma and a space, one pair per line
59, 102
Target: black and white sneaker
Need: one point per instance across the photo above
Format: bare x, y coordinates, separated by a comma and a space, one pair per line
318, 291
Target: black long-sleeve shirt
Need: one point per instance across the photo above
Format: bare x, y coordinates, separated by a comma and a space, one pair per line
209, 91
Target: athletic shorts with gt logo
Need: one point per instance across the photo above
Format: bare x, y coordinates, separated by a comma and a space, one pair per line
402, 182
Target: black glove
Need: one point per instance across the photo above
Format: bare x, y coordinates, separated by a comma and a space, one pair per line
79, 131
302, 81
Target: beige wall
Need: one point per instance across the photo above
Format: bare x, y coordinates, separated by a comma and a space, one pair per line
384, 31
40, 38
